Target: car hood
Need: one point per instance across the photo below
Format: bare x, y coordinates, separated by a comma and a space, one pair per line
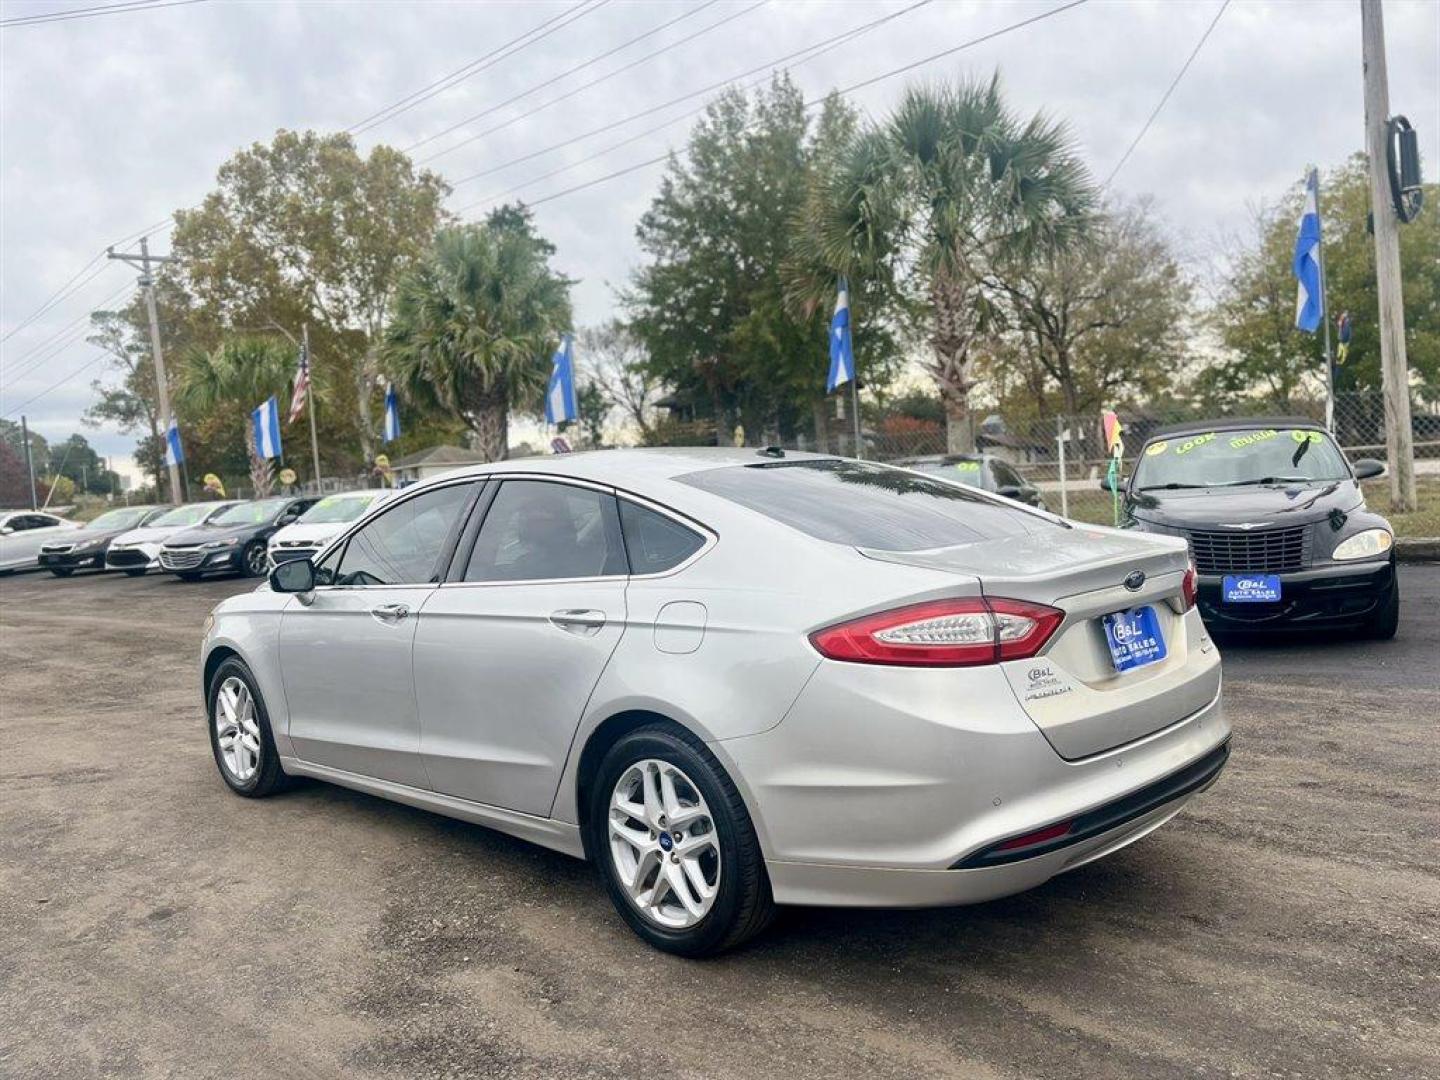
204, 534
85, 536
1291, 504
150, 534
317, 533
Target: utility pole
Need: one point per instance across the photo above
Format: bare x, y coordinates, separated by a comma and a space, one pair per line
310, 402
147, 282
1395, 367
29, 461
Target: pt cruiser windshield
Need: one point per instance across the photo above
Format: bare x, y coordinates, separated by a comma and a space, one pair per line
1238, 457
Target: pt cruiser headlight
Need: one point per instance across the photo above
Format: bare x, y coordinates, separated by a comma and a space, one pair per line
1364, 545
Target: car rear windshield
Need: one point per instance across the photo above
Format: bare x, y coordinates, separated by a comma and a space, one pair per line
866, 505
1239, 456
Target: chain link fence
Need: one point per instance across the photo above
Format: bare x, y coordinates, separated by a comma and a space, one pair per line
1064, 456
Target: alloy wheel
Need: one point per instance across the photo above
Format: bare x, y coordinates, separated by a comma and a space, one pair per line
255, 560
663, 844
237, 729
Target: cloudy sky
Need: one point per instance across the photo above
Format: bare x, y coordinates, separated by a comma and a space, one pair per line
109, 123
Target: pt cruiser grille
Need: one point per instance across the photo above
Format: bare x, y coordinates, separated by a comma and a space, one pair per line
1235, 551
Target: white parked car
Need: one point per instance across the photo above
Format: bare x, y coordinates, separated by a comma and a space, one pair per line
23, 531
321, 523
138, 550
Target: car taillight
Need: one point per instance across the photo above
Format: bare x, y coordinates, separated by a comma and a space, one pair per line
1187, 587
943, 633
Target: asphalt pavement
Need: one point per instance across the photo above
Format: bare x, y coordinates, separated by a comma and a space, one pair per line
152, 924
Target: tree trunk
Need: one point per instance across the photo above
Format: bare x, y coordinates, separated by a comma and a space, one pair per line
490, 422
959, 423
363, 387
954, 314
820, 411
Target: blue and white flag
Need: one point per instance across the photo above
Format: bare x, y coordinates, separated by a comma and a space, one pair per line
265, 425
560, 404
1309, 298
842, 351
392, 414
174, 452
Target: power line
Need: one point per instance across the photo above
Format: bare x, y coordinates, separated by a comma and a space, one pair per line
841, 93
583, 86
1166, 96
56, 385
769, 65
48, 349
815, 52
92, 12
688, 14
494, 56
56, 297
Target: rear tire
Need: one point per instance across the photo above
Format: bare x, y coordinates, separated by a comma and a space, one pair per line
240, 737
740, 905
1382, 625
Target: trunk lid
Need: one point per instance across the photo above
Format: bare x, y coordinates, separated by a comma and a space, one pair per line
1071, 690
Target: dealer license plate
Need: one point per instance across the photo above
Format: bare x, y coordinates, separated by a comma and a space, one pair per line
1250, 588
1134, 638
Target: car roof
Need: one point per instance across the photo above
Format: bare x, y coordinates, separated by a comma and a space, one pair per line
941, 459
1234, 423
638, 464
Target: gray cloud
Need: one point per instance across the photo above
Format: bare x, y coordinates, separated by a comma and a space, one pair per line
111, 123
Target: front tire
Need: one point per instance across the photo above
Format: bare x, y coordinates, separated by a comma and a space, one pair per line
62, 571
188, 575
240, 737
676, 846
1382, 625
138, 571
253, 560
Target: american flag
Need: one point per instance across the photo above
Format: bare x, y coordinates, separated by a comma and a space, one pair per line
302, 388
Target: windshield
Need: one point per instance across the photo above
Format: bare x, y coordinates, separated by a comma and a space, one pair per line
189, 514
964, 471
868, 506
1240, 456
252, 513
339, 508
127, 518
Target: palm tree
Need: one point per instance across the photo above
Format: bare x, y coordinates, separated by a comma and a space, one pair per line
951, 187
238, 374
474, 324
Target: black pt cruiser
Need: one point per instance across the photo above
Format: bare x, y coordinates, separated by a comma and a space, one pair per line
1276, 522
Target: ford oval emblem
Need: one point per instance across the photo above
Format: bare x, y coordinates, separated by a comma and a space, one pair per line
1134, 580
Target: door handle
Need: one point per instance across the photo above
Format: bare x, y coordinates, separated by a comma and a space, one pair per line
584, 621
390, 613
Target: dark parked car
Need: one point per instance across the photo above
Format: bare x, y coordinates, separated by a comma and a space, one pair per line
234, 540
984, 471
1276, 521
85, 548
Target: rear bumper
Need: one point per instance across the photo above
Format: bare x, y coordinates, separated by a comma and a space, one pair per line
904, 803
1335, 594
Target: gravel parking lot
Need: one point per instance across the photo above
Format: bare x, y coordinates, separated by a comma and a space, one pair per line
153, 924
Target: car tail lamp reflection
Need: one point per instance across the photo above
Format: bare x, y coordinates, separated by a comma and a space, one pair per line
1039, 836
1187, 587
943, 633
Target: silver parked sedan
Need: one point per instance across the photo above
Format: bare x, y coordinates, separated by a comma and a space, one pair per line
735, 679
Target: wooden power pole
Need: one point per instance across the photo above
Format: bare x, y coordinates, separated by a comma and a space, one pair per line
162, 390
1395, 368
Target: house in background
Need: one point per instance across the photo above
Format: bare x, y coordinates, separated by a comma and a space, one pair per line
424, 464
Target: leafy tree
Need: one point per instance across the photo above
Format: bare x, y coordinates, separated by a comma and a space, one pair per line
709, 309
950, 187
76, 460
474, 323
305, 230
1255, 309
616, 361
133, 405
1104, 321
14, 474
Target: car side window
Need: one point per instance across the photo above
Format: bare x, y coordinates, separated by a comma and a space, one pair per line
1005, 476
654, 542
538, 530
403, 545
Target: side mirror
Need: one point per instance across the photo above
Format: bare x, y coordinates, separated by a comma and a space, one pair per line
1367, 468
1010, 491
1105, 483
294, 576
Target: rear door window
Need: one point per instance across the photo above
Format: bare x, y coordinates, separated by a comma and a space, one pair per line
867, 505
654, 542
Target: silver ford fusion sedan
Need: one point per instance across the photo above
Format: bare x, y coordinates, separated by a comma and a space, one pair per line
734, 679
